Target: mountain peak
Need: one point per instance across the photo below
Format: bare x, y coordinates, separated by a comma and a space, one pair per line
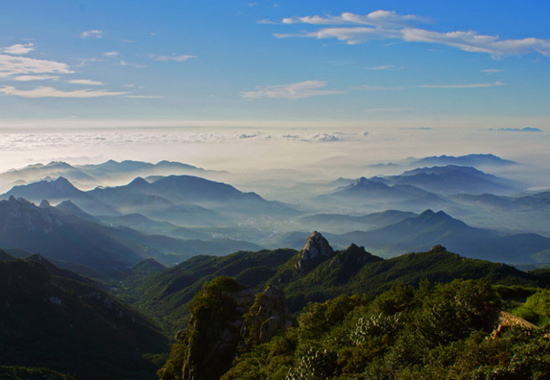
138, 182
361, 181
45, 204
427, 213
315, 250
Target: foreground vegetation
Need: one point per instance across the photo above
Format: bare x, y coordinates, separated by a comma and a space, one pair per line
441, 331
281, 314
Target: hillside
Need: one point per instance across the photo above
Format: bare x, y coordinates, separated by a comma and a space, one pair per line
52, 320
166, 293
111, 251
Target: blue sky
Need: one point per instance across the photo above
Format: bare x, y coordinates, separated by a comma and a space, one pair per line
448, 64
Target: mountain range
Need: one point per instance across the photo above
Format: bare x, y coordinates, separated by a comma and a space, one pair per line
111, 172
72, 239
315, 273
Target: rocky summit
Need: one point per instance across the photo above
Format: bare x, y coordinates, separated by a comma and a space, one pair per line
316, 250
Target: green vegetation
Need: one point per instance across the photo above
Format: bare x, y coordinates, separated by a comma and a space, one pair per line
166, 294
55, 319
207, 347
431, 332
537, 308
428, 315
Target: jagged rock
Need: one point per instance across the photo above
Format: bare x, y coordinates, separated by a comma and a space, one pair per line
268, 316
224, 315
211, 339
316, 250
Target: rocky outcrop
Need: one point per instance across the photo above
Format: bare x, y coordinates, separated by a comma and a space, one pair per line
268, 316
507, 320
226, 317
207, 347
316, 250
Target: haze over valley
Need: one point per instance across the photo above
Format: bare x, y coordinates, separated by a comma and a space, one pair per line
252, 190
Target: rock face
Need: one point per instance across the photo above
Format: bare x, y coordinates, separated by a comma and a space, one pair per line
225, 317
268, 316
316, 250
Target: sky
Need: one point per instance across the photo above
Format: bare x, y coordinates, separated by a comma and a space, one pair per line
290, 75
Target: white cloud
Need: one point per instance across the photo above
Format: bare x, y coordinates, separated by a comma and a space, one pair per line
14, 66
18, 49
471, 85
111, 53
324, 137
491, 71
86, 82
28, 78
471, 41
291, 91
390, 25
50, 92
177, 58
352, 36
266, 21
92, 33
379, 18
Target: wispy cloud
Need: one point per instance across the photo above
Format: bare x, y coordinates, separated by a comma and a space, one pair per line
111, 53
86, 82
470, 85
18, 49
383, 25
28, 78
291, 91
351, 36
177, 58
14, 66
50, 92
379, 18
266, 22
491, 71
124, 63
92, 33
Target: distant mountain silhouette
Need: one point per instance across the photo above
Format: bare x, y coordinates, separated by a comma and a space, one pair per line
454, 179
467, 160
428, 229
